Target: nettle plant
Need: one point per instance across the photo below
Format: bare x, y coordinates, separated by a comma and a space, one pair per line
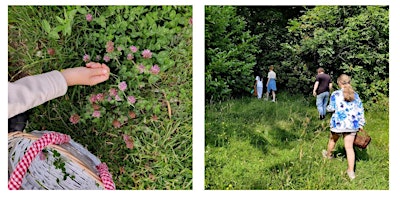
142, 46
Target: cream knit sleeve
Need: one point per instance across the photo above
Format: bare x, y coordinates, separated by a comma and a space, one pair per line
31, 91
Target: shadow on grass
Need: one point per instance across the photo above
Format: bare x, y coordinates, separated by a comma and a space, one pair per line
361, 154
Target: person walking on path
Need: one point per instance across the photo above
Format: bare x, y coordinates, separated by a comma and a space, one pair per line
322, 87
271, 83
259, 85
347, 119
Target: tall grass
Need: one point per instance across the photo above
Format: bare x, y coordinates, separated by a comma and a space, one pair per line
254, 144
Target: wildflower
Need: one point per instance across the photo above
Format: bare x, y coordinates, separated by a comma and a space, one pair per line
113, 92
89, 17
129, 57
146, 53
133, 49
191, 21
100, 97
119, 48
131, 99
116, 123
106, 58
74, 119
154, 118
132, 114
128, 141
117, 98
96, 113
92, 98
141, 68
110, 46
122, 86
98, 58
86, 58
155, 69
51, 51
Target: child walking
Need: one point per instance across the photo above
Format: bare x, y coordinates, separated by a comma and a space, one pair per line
347, 119
271, 83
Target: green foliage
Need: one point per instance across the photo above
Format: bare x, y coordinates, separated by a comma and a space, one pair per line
230, 54
147, 142
342, 39
258, 145
270, 23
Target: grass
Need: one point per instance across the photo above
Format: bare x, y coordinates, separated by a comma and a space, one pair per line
162, 154
258, 145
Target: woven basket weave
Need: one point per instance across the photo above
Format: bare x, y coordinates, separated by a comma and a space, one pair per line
82, 170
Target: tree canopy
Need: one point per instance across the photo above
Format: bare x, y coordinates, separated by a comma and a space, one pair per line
297, 40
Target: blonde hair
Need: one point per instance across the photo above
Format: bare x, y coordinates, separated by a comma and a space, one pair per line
271, 67
348, 91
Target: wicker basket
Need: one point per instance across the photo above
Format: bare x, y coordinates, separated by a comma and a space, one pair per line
53, 161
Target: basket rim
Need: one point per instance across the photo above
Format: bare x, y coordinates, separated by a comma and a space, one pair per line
61, 150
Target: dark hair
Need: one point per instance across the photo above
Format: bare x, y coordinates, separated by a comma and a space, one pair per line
348, 91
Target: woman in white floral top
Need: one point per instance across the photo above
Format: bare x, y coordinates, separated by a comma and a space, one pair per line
347, 119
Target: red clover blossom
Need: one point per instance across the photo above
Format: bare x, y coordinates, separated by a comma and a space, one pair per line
131, 99
96, 113
106, 58
133, 49
110, 46
89, 17
86, 58
122, 86
155, 69
146, 53
129, 57
141, 68
74, 119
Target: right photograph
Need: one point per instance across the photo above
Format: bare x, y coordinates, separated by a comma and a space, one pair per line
296, 98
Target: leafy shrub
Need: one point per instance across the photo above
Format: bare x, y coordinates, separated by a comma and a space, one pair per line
230, 54
342, 39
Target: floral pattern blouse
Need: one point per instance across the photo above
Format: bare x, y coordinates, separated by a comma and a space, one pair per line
347, 116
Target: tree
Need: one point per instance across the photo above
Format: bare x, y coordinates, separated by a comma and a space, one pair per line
230, 54
342, 39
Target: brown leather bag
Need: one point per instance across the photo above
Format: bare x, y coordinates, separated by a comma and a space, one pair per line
362, 140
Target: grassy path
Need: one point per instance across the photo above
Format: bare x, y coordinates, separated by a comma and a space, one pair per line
253, 144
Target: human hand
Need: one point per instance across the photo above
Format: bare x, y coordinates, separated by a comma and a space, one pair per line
92, 74
314, 93
361, 128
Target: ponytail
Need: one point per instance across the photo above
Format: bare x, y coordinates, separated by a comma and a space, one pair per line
348, 91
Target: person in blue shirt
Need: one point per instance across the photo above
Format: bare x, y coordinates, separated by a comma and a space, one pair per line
347, 119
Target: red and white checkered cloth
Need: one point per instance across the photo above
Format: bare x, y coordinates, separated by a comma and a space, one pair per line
47, 139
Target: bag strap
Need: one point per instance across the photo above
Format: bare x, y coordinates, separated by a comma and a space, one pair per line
19, 172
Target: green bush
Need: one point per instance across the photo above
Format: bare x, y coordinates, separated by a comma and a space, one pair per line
342, 39
230, 54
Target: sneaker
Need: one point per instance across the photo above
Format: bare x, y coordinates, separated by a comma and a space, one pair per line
351, 175
273, 100
325, 154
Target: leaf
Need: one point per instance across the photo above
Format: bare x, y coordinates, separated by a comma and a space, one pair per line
46, 26
61, 21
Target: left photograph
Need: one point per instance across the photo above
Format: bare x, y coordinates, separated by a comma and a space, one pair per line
100, 98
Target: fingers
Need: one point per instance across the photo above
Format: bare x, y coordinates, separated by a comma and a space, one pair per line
93, 65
